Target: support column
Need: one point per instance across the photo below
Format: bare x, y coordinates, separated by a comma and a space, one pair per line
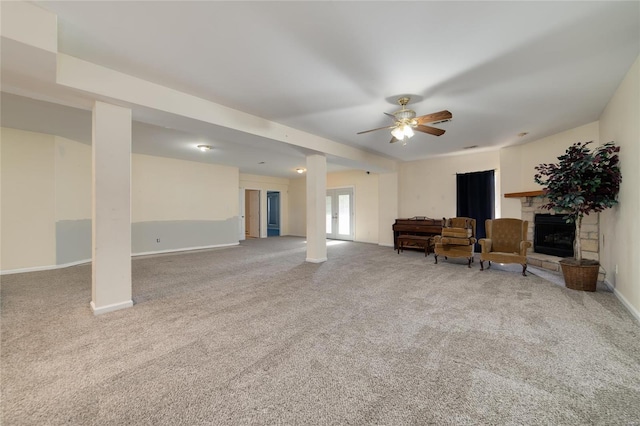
387, 207
111, 208
316, 208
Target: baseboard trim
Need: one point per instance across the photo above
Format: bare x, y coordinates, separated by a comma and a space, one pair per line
110, 308
147, 253
632, 310
385, 245
85, 261
320, 260
44, 268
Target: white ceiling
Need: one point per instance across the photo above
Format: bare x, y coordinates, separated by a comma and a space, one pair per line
333, 68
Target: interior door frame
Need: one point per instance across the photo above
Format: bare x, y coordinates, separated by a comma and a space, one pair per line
241, 215
278, 211
352, 190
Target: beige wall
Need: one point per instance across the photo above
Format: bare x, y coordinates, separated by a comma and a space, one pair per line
620, 226
298, 207
365, 190
45, 202
366, 203
387, 207
72, 179
428, 187
168, 189
27, 224
264, 184
517, 163
182, 205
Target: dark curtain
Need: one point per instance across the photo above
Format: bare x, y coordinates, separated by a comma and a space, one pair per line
476, 198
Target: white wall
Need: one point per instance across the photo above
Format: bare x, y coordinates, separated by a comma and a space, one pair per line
517, 163
27, 204
428, 187
264, 184
620, 226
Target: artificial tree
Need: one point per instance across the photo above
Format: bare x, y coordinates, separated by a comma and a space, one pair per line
583, 181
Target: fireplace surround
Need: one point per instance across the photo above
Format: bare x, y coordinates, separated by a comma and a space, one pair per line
590, 233
531, 203
553, 235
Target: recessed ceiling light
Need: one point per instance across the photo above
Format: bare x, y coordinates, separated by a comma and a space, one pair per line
300, 170
205, 148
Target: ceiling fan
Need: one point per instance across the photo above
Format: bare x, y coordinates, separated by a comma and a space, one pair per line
405, 122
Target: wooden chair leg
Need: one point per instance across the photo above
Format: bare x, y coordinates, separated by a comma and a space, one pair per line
482, 264
436, 256
524, 269
470, 259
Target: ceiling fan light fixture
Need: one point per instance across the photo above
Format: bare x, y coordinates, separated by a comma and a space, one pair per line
204, 148
408, 131
405, 122
398, 133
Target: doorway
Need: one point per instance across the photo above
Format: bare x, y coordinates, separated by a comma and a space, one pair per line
475, 197
273, 214
340, 214
252, 213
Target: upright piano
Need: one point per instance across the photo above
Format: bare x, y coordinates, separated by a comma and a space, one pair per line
418, 225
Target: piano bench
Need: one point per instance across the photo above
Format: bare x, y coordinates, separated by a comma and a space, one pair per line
423, 241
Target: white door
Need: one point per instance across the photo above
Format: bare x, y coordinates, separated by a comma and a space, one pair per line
340, 214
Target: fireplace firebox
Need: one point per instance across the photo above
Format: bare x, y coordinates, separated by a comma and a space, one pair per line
552, 235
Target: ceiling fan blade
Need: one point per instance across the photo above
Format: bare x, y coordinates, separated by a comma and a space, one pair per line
436, 116
373, 130
393, 117
429, 129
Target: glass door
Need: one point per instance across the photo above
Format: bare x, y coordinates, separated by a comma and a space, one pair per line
340, 214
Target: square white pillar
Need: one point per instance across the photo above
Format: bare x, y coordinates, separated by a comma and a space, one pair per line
387, 207
316, 208
111, 208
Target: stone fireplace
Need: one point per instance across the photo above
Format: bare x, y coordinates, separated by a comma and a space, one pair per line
589, 238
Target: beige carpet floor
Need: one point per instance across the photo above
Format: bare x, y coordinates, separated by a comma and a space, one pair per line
254, 335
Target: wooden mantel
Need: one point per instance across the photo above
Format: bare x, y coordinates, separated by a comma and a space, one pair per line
523, 194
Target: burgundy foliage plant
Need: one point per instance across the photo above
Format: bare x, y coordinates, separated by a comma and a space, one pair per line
583, 181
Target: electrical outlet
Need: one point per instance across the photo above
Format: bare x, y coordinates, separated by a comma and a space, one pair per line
158, 240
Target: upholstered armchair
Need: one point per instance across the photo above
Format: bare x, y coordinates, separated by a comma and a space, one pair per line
457, 240
506, 242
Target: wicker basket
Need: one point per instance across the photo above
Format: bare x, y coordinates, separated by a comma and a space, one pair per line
582, 277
